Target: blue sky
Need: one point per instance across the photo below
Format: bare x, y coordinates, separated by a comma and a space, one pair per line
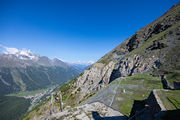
74, 30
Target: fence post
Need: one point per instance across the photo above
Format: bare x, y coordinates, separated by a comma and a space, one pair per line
51, 105
60, 100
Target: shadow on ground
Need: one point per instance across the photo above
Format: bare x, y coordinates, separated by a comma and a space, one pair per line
96, 116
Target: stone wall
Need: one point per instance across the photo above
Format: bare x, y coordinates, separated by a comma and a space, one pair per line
176, 85
147, 109
154, 102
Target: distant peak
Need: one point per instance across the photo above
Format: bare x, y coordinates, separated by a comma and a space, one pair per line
20, 53
82, 63
56, 59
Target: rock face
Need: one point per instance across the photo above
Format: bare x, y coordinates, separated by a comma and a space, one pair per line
150, 50
95, 78
93, 111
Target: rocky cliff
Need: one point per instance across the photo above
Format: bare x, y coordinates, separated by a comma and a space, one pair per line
150, 50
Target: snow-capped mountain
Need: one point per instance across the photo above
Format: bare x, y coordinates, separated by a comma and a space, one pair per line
23, 54
21, 70
14, 57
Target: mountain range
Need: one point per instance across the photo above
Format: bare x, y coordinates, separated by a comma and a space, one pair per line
81, 66
21, 70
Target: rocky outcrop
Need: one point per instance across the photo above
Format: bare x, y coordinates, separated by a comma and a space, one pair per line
95, 78
136, 64
93, 111
132, 43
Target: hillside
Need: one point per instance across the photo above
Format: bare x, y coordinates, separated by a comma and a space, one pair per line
12, 108
128, 74
149, 51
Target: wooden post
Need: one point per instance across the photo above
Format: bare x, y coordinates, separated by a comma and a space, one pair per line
60, 100
51, 105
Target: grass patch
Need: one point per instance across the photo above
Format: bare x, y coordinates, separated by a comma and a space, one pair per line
88, 96
170, 99
107, 58
126, 105
148, 81
67, 86
28, 93
149, 42
69, 98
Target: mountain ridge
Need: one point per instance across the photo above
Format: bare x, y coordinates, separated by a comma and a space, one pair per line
17, 74
141, 53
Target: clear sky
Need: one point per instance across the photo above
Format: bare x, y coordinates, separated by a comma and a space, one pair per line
74, 30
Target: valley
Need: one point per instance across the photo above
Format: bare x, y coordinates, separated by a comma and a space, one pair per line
37, 96
29, 78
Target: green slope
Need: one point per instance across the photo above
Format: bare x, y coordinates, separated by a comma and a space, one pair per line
12, 108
